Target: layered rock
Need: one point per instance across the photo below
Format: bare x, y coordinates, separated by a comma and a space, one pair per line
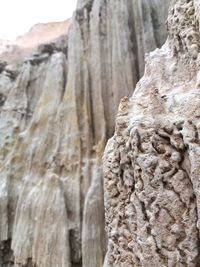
56, 115
14, 52
152, 162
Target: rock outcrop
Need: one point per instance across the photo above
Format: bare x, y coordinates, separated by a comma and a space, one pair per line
152, 197
56, 113
14, 52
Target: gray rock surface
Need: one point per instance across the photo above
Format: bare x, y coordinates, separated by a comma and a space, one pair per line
56, 115
151, 164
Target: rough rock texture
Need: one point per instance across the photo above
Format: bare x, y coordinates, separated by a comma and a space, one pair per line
152, 166
56, 113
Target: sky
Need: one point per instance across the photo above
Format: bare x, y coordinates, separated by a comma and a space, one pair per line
18, 16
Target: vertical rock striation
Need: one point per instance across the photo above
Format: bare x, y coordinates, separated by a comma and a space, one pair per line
151, 164
56, 113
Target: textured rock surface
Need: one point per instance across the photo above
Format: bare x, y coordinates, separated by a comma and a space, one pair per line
23, 46
152, 196
56, 114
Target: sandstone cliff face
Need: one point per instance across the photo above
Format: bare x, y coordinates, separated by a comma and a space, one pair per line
152, 162
14, 52
56, 113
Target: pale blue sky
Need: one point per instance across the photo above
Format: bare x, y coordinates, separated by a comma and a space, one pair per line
18, 16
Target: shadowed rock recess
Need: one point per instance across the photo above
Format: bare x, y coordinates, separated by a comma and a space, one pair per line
152, 164
57, 112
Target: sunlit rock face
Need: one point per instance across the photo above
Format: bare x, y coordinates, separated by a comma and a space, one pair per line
13, 52
56, 113
151, 165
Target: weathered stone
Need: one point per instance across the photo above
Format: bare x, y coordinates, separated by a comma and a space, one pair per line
54, 122
2, 65
151, 164
37, 58
11, 71
23, 46
46, 48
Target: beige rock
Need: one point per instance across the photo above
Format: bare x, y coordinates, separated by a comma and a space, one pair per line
151, 164
55, 118
23, 46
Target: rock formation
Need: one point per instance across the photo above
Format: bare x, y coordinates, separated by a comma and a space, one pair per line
152, 171
56, 113
14, 52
